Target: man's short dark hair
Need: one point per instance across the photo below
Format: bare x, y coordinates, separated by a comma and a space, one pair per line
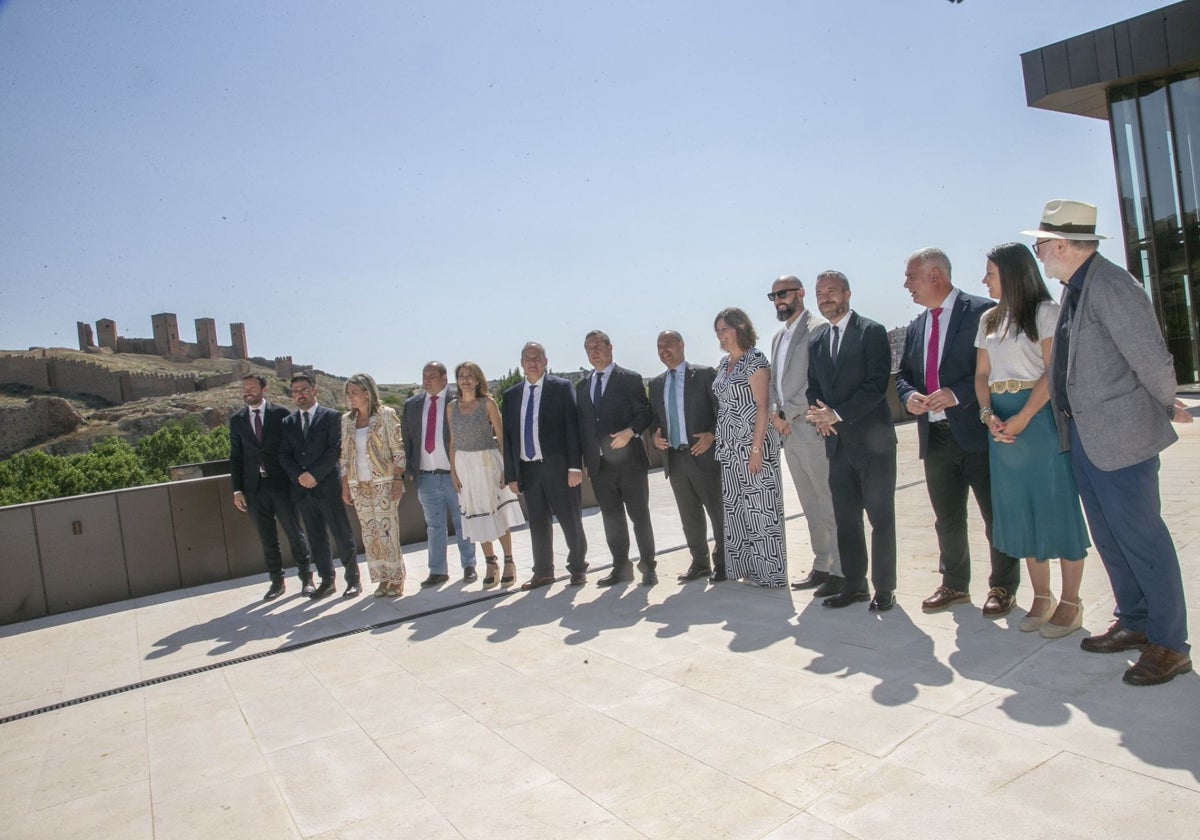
261, 380
304, 377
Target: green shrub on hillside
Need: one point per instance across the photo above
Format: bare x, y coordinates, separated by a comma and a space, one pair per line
110, 464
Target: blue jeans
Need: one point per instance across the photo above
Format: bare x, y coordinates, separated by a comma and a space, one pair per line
1122, 508
438, 498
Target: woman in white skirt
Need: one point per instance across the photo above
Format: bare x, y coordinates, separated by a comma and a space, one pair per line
489, 509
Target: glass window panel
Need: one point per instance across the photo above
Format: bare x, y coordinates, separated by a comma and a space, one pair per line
1185, 111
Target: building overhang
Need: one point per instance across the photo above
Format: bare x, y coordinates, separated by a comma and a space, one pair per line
1073, 76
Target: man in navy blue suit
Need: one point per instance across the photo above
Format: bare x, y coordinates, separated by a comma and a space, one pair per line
260, 486
309, 454
543, 460
936, 382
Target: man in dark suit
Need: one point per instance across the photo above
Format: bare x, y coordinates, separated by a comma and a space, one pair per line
848, 369
309, 454
427, 462
613, 413
936, 382
260, 486
543, 460
685, 417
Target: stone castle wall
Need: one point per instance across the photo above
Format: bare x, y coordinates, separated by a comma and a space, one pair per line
35, 370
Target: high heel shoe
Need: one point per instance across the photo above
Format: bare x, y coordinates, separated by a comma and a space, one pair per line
510, 571
1032, 622
1057, 631
493, 572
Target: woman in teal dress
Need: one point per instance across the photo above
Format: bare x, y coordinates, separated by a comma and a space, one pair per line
1035, 507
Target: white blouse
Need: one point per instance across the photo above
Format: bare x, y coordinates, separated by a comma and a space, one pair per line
1017, 357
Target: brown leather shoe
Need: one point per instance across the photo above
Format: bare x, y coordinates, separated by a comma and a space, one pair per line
1158, 665
1115, 640
537, 582
998, 602
944, 598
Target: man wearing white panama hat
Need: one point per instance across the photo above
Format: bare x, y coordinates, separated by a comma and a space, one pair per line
1112, 385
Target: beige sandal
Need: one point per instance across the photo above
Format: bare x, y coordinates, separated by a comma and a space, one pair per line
1057, 631
1032, 622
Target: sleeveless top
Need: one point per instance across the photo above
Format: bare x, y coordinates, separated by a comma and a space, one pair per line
472, 431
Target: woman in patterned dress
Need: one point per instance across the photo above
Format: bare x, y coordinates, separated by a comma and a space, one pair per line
748, 450
489, 509
373, 480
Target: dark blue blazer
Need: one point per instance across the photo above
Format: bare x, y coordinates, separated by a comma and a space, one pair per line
558, 429
247, 455
856, 386
623, 406
956, 371
318, 454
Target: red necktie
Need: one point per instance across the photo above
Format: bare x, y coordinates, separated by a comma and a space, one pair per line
431, 425
257, 425
931, 354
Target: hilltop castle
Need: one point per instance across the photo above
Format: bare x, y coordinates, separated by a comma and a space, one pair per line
166, 341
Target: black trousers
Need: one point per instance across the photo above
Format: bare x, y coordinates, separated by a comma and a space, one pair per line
323, 516
696, 483
949, 472
863, 480
620, 490
547, 495
267, 504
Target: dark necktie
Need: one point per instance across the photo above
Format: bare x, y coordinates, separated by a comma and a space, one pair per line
833, 349
431, 425
931, 353
529, 424
304, 414
673, 414
258, 425
598, 392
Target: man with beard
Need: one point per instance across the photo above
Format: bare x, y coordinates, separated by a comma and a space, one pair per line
803, 445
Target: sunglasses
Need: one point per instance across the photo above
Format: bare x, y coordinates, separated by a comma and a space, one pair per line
781, 293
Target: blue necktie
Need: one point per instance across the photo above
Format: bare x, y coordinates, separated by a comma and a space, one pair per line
598, 393
673, 414
529, 424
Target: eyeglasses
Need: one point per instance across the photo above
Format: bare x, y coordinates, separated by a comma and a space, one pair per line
1037, 246
781, 293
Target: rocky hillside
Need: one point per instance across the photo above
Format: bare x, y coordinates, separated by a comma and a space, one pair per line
63, 424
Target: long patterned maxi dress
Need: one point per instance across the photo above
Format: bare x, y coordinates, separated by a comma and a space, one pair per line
753, 505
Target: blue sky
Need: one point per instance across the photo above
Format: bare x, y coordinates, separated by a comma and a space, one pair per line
368, 185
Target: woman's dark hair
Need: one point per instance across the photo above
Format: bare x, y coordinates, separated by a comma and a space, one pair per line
1021, 290
739, 322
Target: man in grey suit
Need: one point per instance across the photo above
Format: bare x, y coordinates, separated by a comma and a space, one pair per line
802, 443
685, 420
1112, 385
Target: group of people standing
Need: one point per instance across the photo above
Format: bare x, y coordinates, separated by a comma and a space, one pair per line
1009, 408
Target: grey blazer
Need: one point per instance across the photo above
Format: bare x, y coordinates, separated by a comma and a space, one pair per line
793, 402
1120, 377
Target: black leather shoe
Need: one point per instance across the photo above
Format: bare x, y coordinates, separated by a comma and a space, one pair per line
832, 586
353, 589
718, 575
434, 580
470, 575
694, 573
326, 589
883, 601
277, 589
649, 578
621, 573
845, 599
812, 581
578, 578
306, 586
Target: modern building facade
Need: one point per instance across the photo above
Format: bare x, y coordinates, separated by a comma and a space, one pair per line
1143, 76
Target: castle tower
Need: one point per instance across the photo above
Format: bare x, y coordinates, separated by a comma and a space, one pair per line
237, 335
206, 338
166, 334
106, 333
86, 341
